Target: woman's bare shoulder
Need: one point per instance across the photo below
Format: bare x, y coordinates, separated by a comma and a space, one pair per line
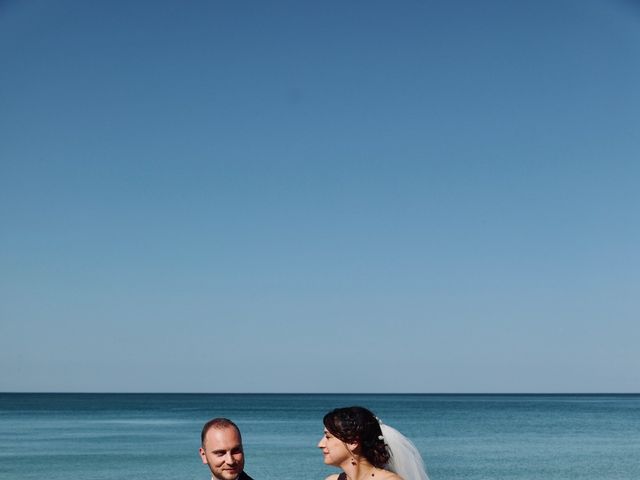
388, 475
332, 477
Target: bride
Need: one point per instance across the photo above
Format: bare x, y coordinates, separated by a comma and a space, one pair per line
365, 449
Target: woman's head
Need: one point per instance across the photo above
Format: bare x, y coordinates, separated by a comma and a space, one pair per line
360, 426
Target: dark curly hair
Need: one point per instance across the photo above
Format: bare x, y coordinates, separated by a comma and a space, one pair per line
359, 425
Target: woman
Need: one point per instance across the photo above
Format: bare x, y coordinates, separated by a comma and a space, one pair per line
355, 441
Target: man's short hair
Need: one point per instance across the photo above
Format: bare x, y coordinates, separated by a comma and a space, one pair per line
220, 424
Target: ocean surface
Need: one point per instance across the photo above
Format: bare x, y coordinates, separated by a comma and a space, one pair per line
466, 437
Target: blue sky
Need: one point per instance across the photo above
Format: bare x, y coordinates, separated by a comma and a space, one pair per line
416, 196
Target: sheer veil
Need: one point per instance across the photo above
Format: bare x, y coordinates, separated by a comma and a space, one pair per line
405, 458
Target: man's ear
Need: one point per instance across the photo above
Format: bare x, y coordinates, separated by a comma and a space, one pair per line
203, 456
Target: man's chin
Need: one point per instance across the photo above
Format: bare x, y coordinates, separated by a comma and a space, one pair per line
229, 475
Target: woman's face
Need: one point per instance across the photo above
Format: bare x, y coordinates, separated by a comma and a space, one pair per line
334, 450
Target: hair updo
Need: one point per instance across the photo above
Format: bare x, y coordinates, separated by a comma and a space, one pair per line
359, 425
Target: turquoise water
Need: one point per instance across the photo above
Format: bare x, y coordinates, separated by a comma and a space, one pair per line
156, 436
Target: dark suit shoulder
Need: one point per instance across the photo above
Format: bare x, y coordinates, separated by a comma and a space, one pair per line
244, 476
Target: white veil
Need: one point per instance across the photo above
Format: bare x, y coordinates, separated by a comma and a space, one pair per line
405, 458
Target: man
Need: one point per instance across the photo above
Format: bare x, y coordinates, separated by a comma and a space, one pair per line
222, 450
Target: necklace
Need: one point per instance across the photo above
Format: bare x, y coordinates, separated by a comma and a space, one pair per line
372, 471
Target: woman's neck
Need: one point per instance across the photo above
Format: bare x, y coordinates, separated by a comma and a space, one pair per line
362, 470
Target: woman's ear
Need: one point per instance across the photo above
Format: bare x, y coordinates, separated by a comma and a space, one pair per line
353, 447
353, 451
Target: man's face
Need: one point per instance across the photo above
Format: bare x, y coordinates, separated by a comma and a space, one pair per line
222, 451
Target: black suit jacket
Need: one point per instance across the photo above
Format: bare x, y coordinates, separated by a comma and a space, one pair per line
244, 476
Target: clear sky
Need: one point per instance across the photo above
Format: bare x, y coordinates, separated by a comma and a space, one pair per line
320, 196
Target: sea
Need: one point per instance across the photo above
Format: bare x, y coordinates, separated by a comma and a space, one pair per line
465, 437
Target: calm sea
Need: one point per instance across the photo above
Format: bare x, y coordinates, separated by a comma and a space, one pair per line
156, 436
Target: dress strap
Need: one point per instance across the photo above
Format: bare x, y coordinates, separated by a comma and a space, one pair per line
342, 476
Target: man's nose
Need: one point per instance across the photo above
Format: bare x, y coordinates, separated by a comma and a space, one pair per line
228, 458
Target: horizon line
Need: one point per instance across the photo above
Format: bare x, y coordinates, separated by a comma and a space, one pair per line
314, 393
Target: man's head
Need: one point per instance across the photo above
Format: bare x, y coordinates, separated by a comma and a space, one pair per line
222, 448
